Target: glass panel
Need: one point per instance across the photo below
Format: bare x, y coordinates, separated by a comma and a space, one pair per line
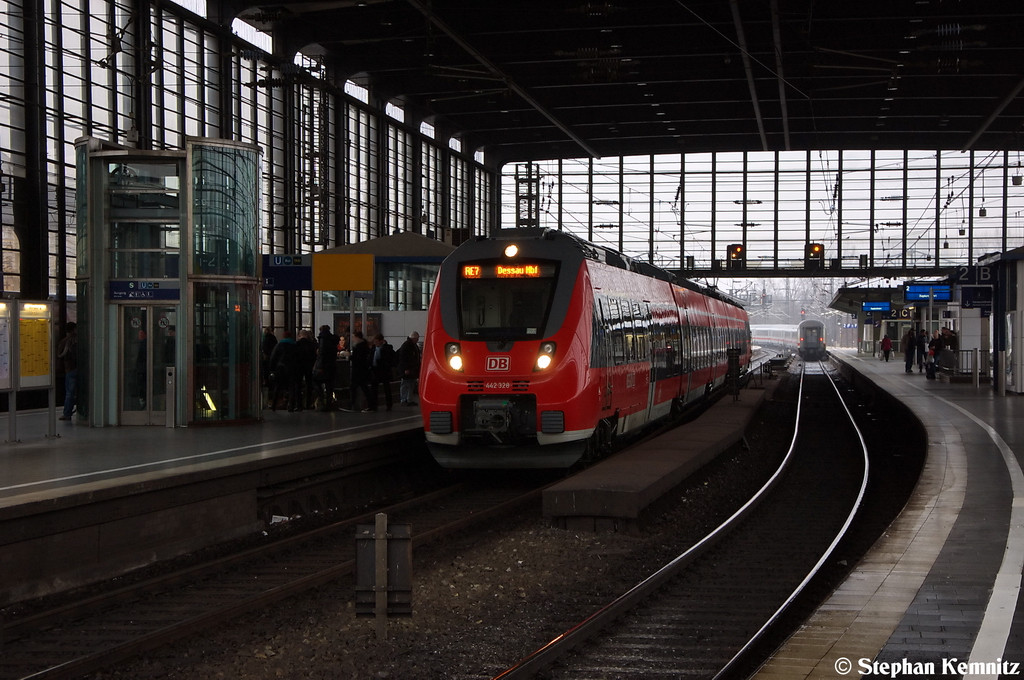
134, 362
225, 353
163, 333
225, 207
141, 176
143, 265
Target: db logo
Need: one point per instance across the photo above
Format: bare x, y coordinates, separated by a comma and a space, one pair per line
498, 364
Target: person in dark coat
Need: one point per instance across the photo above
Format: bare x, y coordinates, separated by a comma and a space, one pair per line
383, 361
409, 368
326, 367
266, 349
886, 347
908, 346
360, 364
285, 362
307, 359
67, 351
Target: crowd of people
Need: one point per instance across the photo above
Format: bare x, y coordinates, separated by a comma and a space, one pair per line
921, 350
302, 371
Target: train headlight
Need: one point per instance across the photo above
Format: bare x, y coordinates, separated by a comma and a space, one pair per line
545, 356
511, 250
453, 355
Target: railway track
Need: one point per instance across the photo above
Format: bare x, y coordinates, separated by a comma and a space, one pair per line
95, 633
715, 606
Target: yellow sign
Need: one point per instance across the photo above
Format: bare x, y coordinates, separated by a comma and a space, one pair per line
333, 271
34, 345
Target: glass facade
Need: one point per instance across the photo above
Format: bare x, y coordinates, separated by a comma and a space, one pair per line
896, 208
336, 170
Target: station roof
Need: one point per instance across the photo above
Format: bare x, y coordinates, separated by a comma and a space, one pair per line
543, 79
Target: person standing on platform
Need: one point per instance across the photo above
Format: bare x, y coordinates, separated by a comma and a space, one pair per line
284, 367
67, 350
908, 346
383, 360
326, 368
266, 349
886, 346
360, 372
307, 359
409, 368
922, 349
935, 348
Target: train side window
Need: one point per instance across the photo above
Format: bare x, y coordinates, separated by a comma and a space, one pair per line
628, 331
618, 342
597, 332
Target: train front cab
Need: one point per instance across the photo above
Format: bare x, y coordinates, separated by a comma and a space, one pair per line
488, 395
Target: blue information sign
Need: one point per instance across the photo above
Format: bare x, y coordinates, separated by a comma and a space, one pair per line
922, 292
874, 306
145, 290
287, 272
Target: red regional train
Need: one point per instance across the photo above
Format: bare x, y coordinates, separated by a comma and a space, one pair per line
541, 348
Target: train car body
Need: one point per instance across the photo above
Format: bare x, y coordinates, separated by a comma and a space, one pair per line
541, 346
779, 337
811, 340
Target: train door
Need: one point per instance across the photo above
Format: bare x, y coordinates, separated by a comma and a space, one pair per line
686, 352
147, 349
649, 351
607, 356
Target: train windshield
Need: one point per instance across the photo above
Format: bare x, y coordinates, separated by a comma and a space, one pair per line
507, 301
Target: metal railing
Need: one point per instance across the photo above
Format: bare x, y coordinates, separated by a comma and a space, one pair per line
964, 361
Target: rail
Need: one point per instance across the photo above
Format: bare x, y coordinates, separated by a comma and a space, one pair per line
600, 620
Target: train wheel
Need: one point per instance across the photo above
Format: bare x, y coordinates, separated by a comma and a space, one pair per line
599, 444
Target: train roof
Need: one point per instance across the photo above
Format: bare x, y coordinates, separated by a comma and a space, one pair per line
614, 258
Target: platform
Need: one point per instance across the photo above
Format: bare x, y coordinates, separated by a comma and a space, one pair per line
940, 588
612, 495
94, 502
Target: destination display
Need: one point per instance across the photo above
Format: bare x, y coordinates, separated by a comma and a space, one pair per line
519, 270
924, 292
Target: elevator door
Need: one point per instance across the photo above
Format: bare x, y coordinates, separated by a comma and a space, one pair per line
147, 349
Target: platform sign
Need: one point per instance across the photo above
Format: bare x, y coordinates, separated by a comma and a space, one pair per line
923, 292
976, 297
145, 290
875, 306
974, 275
287, 272
34, 339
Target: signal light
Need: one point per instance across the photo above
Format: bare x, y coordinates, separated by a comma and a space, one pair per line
736, 257
814, 256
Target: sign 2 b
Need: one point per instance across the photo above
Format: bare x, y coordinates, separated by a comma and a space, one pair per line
977, 276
